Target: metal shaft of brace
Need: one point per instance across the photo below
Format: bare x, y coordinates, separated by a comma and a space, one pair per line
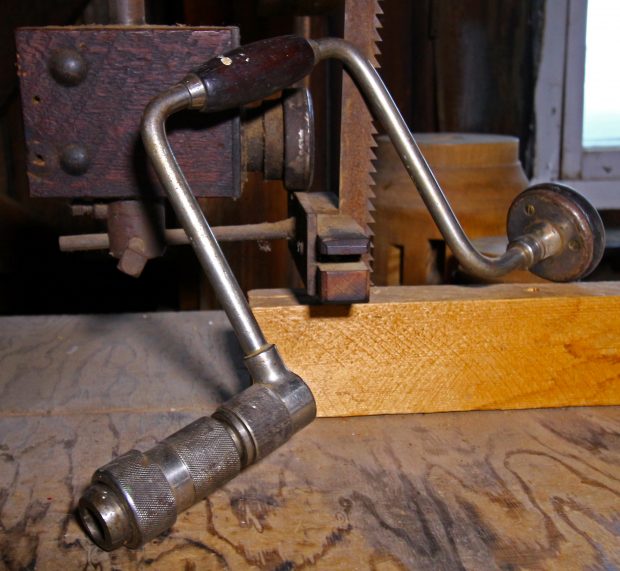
127, 12
193, 220
281, 230
518, 255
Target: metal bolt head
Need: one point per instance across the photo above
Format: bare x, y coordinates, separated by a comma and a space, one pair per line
74, 159
68, 67
573, 217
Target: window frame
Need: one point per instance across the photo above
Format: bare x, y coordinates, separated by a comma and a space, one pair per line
559, 95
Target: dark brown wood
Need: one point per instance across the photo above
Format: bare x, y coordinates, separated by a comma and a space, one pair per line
255, 71
126, 68
533, 489
14, 13
345, 282
327, 248
340, 235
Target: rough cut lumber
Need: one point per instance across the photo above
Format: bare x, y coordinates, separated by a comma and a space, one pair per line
449, 348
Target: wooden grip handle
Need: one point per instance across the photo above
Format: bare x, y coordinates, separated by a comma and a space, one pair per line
255, 71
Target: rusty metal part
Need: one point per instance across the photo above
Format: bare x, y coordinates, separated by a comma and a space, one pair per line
578, 223
273, 120
74, 159
278, 139
127, 12
298, 139
281, 230
357, 132
68, 67
135, 230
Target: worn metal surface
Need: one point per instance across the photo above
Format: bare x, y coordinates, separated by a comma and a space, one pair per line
127, 12
249, 426
136, 233
581, 229
192, 219
278, 139
273, 132
125, 68
281, 230
538, 243
298, 139
138, 496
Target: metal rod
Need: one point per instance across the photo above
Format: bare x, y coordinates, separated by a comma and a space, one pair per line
281, 230
127, 12
193, 220
522, 253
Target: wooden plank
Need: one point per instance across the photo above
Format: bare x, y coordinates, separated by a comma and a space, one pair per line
481, 490
127, 67
447, 348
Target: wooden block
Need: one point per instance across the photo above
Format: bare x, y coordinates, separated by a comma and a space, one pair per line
126, 68
450, 348
342, 282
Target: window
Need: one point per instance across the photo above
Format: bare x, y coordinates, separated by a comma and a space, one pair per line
601, 97
578, 99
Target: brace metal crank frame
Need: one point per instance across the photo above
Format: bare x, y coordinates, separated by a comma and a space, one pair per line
552, 231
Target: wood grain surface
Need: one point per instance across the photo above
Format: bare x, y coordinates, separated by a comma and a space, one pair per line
446, 348
127, 67
417, 349
480, 490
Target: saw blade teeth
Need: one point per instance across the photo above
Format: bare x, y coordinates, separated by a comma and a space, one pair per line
358, 159
376, 35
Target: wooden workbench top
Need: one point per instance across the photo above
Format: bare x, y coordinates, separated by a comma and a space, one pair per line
528, 489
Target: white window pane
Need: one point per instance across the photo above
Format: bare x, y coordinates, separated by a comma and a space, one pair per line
601, 120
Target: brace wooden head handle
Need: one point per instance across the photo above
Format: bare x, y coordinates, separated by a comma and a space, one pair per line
254, 71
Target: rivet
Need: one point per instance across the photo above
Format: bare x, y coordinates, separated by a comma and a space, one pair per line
74, 159
530, 210
68, 67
